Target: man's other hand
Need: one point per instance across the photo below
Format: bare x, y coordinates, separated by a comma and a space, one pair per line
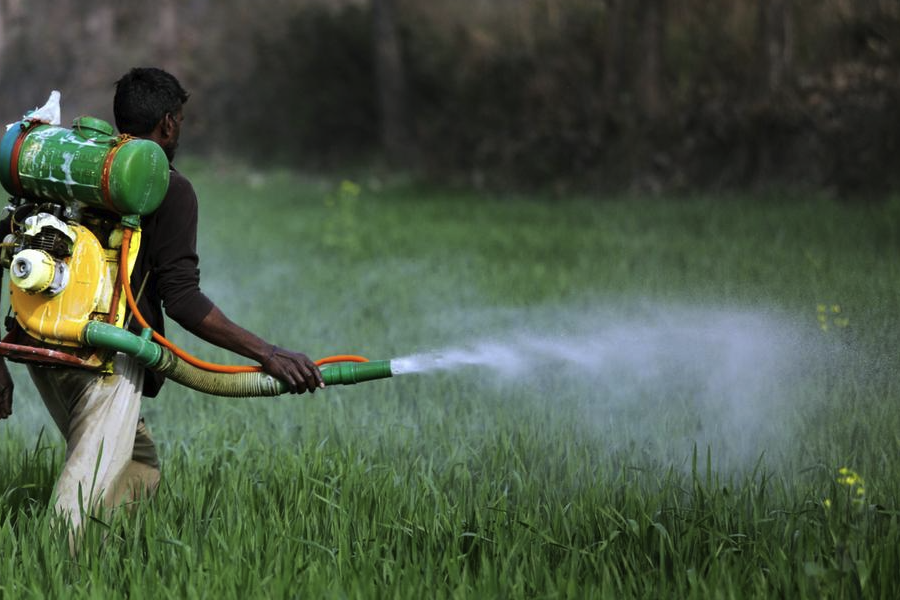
6, 391
295, 369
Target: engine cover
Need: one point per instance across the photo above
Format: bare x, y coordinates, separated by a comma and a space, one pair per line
60, 319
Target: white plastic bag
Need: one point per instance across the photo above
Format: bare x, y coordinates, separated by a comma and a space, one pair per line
49, 112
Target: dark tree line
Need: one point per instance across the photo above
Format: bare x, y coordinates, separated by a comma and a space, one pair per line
646, 94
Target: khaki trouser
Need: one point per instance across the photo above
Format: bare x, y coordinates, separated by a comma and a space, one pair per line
110, 457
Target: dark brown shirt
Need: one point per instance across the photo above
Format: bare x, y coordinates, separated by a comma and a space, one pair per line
168, 259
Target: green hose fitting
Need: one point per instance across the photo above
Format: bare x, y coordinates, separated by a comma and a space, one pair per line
350, 373
97, 334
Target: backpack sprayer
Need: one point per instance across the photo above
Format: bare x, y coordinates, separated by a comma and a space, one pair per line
74, 233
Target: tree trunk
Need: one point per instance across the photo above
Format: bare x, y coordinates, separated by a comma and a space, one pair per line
167, 36
396, 133
775, 35
10, 15
612, 53
2, 35
650, 78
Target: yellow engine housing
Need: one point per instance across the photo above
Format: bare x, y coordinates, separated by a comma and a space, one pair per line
60, 319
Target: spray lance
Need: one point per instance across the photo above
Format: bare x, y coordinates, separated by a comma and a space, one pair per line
77, 198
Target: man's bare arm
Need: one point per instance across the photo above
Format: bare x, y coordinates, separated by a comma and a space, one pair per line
296, 369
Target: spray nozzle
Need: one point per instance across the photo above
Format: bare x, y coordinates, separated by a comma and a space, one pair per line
356, 372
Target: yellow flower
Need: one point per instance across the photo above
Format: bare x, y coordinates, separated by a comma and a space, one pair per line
827, 503
349, 188
851, 478
831, 315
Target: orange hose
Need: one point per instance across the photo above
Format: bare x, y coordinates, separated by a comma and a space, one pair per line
125, 282
340, 358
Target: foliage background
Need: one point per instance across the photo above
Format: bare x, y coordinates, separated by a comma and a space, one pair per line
590, 94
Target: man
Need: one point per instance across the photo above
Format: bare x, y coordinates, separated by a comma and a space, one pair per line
110, 457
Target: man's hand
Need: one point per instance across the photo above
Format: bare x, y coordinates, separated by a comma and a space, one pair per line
295, 369
6, 391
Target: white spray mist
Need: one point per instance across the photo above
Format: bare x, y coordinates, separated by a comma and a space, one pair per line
726, 376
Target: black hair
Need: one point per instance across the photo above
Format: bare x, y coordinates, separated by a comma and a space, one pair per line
144, 96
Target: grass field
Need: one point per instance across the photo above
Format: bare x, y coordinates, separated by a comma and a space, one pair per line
678, 384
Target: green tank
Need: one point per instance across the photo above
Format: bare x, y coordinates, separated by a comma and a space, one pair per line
87, 164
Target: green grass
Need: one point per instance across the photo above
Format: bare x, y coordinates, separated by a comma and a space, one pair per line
461, 485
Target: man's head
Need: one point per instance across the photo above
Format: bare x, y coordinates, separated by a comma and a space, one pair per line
148, 104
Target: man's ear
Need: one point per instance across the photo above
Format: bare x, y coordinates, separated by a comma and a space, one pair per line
159, 132
166, 125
